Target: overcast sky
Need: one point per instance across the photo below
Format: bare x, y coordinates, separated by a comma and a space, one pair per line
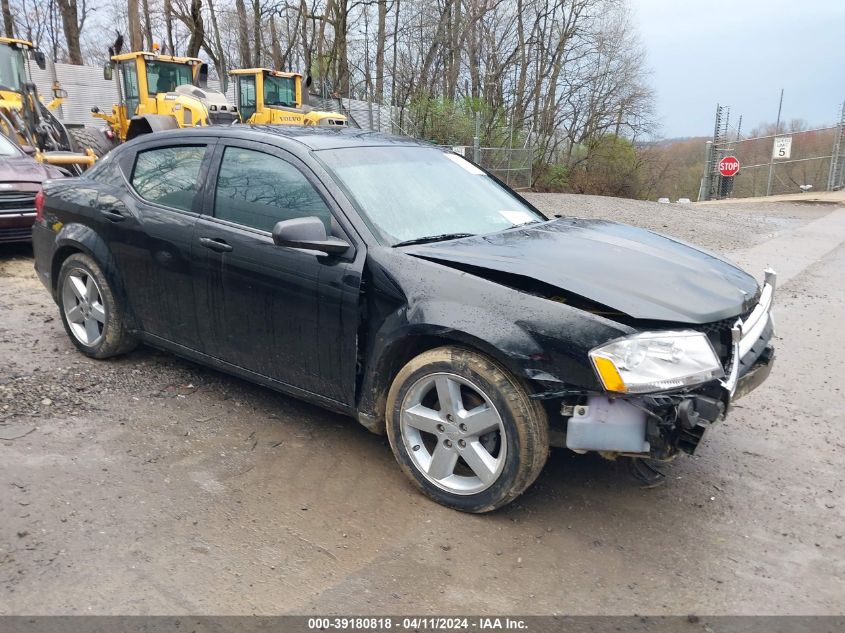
741, 53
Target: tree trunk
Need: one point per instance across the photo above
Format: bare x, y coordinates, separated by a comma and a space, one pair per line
168, 22
454, 66
393, 99
243, 34
197, 29
380, 41
256, 32
148, 26
220, 55
275, 47
8, 23
306, 46
70, 24
134, 19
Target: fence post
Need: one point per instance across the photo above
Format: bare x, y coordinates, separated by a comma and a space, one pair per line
834, 180
476, 141
772, 159
707, 178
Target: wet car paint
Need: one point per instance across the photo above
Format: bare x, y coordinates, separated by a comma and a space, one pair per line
632, 270
335, 330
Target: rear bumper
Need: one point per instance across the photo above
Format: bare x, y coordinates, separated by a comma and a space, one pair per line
43, 247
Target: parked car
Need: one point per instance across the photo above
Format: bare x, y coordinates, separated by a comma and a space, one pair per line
20, 179
399, 283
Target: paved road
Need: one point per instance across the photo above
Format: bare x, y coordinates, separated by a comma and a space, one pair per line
149, 485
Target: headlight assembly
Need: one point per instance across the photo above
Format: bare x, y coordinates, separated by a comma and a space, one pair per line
656, 361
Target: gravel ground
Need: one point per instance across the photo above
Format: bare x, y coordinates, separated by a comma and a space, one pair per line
150, 485
725, 228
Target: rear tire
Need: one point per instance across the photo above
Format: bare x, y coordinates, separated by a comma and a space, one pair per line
91, 137
93, 317
464, 429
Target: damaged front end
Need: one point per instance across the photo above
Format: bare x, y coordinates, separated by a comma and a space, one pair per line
642, 419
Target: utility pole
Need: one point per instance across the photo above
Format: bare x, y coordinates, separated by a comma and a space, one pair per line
772, 158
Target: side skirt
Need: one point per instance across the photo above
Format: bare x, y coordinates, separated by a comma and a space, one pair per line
251, 376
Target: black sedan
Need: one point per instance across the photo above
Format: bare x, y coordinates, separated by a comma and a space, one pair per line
400, 284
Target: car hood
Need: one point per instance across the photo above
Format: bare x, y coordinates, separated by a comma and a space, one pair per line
25, 169
640, 273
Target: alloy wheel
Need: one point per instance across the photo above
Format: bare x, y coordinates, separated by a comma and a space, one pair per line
83, 306
453, 433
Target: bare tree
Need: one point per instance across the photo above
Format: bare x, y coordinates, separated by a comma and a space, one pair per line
8, 21
72, 22
136, 42
243, 34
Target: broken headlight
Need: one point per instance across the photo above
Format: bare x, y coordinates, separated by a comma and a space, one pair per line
656, 361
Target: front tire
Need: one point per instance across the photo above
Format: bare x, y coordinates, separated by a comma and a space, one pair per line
93, 318
90, 137
465, 430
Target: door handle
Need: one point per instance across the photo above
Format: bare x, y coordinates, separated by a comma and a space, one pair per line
215, 244
114, 216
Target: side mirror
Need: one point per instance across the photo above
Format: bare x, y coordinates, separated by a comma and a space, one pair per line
108, 72
202, 76
309, 233
40, 59
308, 81
29, 150
59, 93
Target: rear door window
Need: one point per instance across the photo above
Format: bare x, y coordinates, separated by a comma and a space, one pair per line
169, 175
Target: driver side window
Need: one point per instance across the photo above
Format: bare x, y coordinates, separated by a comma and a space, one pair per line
258, 190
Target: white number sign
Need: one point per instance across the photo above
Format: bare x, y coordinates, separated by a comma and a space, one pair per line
782, 148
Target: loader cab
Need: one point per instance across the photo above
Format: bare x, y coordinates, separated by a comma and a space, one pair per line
14, 57
144, 75
272, 97
261, 90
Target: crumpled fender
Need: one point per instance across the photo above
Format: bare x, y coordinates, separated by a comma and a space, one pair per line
539, 340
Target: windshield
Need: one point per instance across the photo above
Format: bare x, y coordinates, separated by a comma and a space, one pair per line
7, 148
11, 68
413, 193
279, 91
165, 76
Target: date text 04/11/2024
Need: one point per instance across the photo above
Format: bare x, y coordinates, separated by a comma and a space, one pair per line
416, 623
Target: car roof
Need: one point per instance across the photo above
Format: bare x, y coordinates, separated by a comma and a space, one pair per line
312, 137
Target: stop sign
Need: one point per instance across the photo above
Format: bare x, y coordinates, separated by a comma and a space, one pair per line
728, 166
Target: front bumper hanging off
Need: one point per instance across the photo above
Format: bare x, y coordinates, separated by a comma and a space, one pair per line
662, 424
750, 342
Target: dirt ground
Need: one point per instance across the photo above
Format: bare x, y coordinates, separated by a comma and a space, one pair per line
150, 485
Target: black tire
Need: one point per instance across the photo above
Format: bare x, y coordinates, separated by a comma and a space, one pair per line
114, 338
524, 421
91, 137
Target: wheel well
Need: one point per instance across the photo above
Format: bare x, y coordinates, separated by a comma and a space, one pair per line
137, 127
373, 401
59, 257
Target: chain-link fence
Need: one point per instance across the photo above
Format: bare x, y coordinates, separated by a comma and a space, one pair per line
786, 162
512, 165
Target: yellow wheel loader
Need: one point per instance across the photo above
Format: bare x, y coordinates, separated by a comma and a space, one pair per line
26, 120
272, 97
161, 92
